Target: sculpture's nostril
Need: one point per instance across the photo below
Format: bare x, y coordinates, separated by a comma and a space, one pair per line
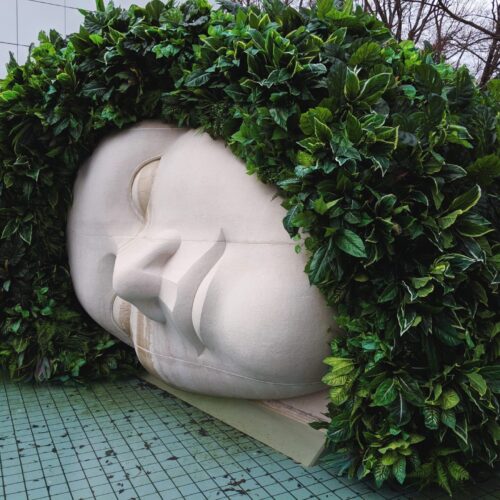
137, 276
140, 288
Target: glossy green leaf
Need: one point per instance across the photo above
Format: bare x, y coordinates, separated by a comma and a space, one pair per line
350, 243
399, 470
431, 417
354, 129
373, 89
467, 200
10, 228
386, 393
478, 383
449, 399
367, 54
352, 85
449, 418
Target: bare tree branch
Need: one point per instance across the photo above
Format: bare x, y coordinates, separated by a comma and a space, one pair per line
466, 21
458, 31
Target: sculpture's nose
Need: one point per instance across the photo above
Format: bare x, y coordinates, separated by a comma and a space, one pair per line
137, 276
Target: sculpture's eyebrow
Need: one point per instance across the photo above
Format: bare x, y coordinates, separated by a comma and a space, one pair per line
142, 183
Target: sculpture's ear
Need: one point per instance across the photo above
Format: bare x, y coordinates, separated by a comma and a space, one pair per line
142, 184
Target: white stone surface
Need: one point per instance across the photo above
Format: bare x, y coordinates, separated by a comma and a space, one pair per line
176, 250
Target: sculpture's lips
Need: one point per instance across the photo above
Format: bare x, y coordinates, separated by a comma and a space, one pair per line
121, 316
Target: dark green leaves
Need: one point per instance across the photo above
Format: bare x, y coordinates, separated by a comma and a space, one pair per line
431, 417
275, 77
197, 79
320, 264
466, 201
373, 89
388, 165
26, 233
309, 120
428, 79
350, 243
353, 128
399, 470
386, 393
351, 89
449, 399
367, 54
485, 170
10, 228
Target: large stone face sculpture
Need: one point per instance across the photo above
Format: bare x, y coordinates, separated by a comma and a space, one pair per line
174, 249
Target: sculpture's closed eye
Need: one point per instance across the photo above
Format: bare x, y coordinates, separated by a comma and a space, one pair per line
142, 184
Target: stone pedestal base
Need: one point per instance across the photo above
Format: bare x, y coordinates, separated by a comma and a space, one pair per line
280, 424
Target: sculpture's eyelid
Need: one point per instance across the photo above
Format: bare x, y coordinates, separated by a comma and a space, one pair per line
142, 183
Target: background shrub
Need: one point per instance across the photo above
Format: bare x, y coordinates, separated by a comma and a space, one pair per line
388, 165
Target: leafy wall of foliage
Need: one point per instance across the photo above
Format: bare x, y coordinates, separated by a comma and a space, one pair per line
387, 163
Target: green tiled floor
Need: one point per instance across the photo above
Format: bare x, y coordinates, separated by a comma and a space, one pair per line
129, 440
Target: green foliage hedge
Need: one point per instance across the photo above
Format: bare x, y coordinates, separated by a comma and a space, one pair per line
388, 164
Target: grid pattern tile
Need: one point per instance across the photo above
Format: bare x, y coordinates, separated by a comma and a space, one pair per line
129, 440
22, 20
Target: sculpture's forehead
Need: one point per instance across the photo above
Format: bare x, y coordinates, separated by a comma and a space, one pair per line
199, 188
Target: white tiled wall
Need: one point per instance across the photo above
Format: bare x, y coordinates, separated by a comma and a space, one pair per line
22, 20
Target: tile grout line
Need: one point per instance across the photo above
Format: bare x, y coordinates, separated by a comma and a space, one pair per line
56, 408
133, 453
108, 444
75, 415
15, 437
35, 392
123, 416
1, 465
181, 405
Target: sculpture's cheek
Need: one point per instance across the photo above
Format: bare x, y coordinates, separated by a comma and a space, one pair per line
261, 315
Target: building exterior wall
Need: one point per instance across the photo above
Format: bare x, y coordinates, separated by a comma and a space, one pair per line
22, 20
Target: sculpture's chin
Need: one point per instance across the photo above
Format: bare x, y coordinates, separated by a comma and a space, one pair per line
164, 354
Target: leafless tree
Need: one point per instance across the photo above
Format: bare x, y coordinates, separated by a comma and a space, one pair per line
485, 27
460, 31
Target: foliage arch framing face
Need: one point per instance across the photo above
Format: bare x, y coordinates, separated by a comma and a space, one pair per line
388, 164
